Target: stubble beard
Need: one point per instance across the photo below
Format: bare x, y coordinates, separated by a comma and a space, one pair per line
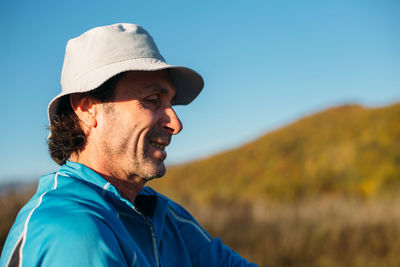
144, 165
149, 168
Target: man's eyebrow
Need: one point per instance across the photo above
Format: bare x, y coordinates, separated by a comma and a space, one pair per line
161, 89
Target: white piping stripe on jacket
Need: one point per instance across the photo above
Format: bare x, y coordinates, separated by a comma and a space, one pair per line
179, 218
105, 187
55, 181
24, 232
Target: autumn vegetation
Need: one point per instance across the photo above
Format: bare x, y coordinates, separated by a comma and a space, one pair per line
323, 191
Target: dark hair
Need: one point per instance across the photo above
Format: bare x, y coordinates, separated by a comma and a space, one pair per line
66, 134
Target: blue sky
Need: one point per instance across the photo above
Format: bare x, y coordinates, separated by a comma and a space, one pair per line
265, 64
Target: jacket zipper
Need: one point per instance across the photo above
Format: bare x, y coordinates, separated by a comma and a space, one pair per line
153, 235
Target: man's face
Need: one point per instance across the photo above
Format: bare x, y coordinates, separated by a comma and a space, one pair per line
136, 126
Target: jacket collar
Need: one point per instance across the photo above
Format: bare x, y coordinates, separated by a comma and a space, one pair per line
148, 201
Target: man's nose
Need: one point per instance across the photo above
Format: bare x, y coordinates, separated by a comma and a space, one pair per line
172, 123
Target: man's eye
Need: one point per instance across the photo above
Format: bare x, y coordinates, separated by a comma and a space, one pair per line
152, 99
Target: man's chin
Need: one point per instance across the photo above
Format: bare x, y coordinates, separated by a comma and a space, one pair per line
154, 171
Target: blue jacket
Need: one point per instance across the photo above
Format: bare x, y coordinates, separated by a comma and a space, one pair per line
77, 218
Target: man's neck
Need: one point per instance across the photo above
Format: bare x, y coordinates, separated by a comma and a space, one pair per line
129, 187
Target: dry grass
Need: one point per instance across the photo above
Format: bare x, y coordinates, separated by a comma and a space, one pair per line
327, 231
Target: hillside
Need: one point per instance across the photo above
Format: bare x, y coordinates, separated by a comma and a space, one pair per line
347, 150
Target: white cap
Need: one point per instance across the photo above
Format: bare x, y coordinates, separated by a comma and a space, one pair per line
103, 52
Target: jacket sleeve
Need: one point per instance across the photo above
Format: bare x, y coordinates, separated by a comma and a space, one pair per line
203, 249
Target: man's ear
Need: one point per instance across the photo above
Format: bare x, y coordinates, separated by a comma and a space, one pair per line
86, 108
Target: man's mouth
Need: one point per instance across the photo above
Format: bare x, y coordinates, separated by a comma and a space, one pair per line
158, 145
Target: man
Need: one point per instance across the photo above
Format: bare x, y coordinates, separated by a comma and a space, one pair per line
109, 129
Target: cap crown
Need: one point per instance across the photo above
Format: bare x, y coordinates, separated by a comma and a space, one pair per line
102, 46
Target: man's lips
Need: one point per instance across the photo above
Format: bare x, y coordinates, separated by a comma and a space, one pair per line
158, 145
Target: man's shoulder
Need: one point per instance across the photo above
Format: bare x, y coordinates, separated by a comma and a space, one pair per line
70, 191
62, 200
63, 210
71, 197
